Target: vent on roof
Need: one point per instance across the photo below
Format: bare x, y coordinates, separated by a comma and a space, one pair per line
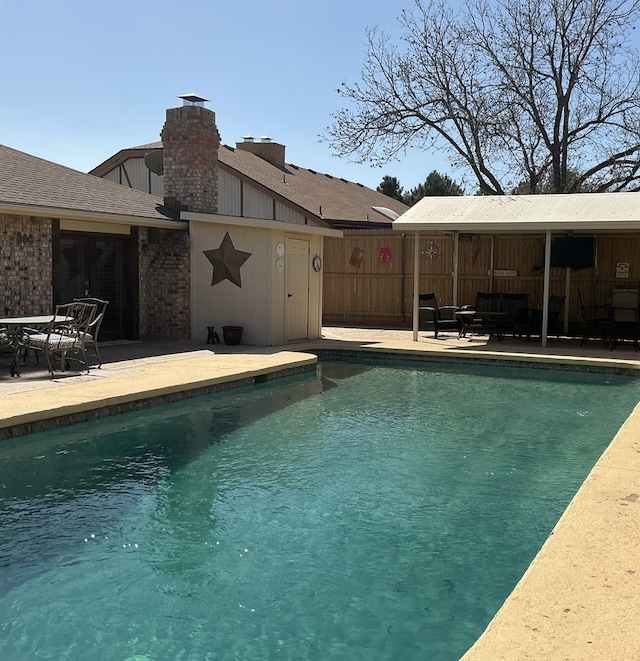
192, 99
248, 138
265, 138
312, 171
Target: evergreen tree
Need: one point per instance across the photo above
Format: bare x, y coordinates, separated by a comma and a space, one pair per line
435, 184
391, 187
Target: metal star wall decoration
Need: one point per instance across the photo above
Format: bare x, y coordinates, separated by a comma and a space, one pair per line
226, 262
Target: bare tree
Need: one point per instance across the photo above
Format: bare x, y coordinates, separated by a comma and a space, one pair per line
541, 91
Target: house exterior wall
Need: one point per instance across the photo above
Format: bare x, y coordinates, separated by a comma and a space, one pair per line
288, 215
235, 198
256, 204
229, 194
135, 174
165, 300
259, 305
26, 265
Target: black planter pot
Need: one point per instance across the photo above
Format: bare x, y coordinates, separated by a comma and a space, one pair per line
232, 334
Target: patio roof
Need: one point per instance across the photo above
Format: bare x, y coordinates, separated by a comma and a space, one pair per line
518, 214
487, 214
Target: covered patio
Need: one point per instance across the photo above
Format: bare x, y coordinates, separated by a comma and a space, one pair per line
552, 216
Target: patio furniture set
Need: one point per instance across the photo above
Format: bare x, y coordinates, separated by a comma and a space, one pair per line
496, 313
616, 321
66, 335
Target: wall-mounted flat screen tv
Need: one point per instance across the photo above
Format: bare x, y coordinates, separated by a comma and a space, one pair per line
576, 252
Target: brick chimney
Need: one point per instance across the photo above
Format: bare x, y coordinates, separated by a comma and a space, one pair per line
190, 142
266, 149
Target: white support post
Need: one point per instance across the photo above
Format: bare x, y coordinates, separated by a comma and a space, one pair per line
416, 284
545, 293
456, 246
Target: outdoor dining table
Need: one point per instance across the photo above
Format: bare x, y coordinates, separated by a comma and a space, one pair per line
15, 331
470, 317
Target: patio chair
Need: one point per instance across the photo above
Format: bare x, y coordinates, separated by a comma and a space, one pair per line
532, 325
624, 316
487, 309
64, 336
5, 340
436, 318
515, 307
597, 321
91, 340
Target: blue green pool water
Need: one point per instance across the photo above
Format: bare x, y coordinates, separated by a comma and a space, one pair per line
364, 513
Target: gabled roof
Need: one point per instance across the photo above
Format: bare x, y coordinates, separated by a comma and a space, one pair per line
320, 196
584, 212
35, 186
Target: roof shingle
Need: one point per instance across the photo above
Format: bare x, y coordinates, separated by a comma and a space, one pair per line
32, 181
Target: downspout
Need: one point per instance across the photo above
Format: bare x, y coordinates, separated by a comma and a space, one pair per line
416, 284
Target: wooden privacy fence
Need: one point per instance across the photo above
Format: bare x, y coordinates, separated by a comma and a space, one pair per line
368, 274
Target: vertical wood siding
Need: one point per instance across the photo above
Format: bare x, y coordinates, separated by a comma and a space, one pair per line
378, 292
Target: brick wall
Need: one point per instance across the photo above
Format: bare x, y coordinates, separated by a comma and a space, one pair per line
26, 265
165, 285
190, 141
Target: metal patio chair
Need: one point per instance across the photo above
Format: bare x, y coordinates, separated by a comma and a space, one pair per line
625, 317
597, 322
91, 339
532, 324
64, 336
486, 314
515, 308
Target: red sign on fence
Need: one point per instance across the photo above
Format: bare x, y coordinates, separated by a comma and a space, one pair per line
385, 254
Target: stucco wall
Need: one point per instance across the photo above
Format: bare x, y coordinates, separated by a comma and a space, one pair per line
259, 305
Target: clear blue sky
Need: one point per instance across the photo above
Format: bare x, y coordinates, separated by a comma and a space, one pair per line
82, 79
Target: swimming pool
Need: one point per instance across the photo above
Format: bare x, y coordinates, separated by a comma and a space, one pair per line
364, 513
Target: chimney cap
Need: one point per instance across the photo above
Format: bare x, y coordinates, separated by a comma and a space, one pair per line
192, 99
248, 138
265, 138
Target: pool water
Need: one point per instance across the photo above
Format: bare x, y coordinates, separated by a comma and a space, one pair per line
365, 512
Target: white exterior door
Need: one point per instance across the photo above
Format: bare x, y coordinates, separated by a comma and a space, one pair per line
297, 289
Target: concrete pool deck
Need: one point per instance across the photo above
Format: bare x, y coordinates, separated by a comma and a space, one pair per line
580, 597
